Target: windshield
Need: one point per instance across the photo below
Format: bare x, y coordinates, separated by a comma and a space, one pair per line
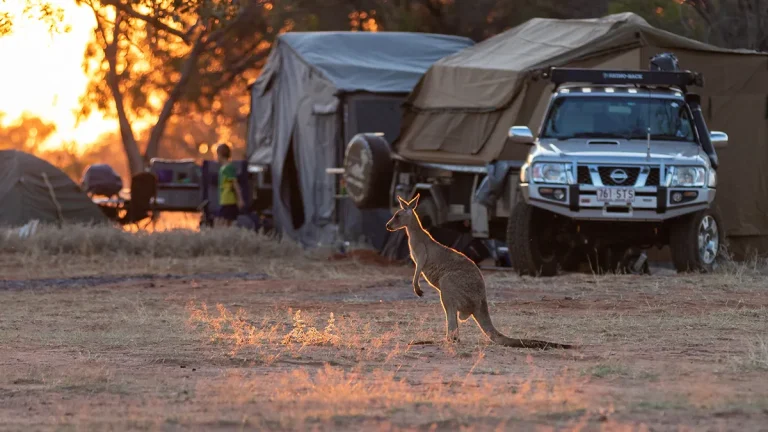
618, 117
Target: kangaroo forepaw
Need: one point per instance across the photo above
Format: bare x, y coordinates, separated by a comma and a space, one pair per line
418, 291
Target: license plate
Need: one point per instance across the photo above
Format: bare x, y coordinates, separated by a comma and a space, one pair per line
623, 195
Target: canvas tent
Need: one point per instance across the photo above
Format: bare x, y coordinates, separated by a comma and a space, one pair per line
31, 188
463, 106
317, 90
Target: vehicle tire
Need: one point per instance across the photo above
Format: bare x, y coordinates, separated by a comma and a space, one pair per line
695, 241
368, 170
531, 249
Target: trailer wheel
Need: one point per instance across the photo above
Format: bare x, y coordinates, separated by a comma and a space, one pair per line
695, 241
368, 169
531, 242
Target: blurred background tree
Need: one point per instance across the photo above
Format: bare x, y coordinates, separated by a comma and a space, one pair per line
174, 73
151, 58
26, 133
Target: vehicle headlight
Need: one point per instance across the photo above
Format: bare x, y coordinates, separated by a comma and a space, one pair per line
556, 173
686, 176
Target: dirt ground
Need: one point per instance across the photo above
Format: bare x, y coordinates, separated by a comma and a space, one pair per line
107, 344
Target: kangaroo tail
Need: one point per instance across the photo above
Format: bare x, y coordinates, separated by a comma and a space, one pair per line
483, 319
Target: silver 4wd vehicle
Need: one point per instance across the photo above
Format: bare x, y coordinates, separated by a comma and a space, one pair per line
623, 162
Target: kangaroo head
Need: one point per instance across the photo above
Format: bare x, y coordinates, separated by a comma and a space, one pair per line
405, 215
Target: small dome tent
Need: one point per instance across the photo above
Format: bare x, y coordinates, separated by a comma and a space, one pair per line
31, 188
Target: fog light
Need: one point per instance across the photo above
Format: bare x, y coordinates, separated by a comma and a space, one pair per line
682, 197
557, 194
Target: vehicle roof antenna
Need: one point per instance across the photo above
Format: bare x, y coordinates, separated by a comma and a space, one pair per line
648, 133
648, 141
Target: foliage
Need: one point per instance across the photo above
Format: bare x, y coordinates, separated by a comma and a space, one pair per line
669, 15
27, 133
40, 9
734, 23
477, 19
148, 58
149, 61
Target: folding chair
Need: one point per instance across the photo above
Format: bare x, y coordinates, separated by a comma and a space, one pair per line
142, 203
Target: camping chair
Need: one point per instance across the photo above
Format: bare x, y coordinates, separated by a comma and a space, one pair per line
142, 202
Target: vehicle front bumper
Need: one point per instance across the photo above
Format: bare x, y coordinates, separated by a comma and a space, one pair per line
652, 203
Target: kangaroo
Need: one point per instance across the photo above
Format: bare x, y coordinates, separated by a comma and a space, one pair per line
457, 279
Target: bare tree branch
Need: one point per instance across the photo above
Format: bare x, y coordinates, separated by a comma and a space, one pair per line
154, 21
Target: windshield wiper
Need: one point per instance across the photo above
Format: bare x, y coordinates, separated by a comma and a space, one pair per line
592, 135
663, 137
667, 137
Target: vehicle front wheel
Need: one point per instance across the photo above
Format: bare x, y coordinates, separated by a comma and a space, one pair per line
695, 241
531, 241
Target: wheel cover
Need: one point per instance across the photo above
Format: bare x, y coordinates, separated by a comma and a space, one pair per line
709, 239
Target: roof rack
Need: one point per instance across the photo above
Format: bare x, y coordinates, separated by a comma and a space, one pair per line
680, 79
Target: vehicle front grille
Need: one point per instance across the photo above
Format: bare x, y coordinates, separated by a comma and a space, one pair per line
583, 174
653, 177
584, 177
605, 175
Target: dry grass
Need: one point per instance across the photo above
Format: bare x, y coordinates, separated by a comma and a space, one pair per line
87, 251
177, 243
756, 355
329, 345
274, 357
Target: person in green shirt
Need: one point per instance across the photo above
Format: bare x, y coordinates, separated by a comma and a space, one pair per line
230, 195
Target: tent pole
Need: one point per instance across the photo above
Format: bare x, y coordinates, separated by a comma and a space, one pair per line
53, 197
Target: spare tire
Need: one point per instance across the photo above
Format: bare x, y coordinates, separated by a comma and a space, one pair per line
368, 170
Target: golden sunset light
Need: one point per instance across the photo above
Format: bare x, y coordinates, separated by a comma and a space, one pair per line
42, 74
458, 215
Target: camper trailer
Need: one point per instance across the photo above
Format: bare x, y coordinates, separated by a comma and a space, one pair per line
592, 152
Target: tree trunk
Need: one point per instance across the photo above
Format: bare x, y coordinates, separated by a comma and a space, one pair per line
130, 145
135, 161
156, 135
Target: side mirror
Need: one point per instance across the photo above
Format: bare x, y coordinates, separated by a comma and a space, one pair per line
719, 139
520, 135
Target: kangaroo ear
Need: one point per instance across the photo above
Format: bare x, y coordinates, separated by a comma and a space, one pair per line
403, 203
414, 202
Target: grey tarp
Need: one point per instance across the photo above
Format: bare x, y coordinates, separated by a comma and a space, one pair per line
25, 195
463, 106
298, 117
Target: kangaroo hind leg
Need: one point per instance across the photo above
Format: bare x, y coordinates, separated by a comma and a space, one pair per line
451, 324
463, 315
